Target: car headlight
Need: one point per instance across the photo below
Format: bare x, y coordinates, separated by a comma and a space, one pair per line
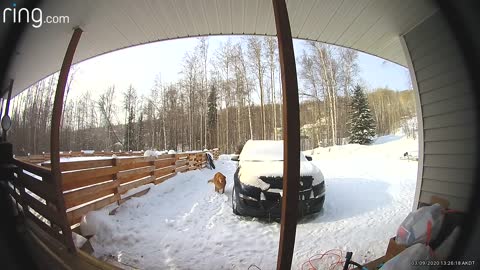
245, 197
262, 185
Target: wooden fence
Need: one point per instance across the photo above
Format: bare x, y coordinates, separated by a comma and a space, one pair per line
89, 185
92, 184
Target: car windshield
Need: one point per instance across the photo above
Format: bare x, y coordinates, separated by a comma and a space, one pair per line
264, 150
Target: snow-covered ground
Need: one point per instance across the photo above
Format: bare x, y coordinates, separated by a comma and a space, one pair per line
183, 224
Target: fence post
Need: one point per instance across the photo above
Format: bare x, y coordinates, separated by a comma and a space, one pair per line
115, 179
176, 162
192, 157
152, 174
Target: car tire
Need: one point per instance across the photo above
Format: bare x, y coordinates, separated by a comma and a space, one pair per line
234, 202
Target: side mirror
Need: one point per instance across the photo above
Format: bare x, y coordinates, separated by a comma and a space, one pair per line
235, 158
309, 158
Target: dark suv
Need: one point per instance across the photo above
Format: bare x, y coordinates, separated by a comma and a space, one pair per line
258, 181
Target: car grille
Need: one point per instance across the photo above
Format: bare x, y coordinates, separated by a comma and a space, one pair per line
277, 182
305, 188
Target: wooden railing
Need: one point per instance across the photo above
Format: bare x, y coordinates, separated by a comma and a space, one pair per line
88, 185
33, 192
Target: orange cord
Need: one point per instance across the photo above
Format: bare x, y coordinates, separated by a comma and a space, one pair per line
334, 265
339, 262
429, 232
329, 252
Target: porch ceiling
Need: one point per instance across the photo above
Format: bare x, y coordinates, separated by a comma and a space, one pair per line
371, 26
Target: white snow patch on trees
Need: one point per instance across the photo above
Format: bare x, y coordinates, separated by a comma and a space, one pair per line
154, 153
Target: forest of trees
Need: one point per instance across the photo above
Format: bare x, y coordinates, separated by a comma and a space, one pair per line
224, 98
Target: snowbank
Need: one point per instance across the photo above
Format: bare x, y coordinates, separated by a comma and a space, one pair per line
226, 157
96, 223
390, 146
153, 153
387, 138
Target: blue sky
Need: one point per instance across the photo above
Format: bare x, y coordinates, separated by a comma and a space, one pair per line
141, 64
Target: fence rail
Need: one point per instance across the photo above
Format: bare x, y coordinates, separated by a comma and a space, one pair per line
46, 156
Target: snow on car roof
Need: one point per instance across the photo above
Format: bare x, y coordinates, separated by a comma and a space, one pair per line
263, 150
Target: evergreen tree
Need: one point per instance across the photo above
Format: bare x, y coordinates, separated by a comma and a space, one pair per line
212, 117
362, 125
130, 130
141, 130
129, 103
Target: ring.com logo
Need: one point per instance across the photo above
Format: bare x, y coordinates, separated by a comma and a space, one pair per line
35, 16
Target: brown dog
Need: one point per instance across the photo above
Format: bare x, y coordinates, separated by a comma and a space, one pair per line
219, 180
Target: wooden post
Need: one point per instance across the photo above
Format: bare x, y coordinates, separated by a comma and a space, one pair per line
115, 179
1, 107
55, 136
152, 174
291, 136
7, 107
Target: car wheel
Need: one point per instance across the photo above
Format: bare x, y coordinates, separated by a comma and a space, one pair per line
234, 201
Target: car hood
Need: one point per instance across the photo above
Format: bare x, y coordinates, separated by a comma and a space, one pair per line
250, 172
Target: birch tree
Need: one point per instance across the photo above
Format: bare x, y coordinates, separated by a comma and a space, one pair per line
107, 109
258, 68
271, 48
